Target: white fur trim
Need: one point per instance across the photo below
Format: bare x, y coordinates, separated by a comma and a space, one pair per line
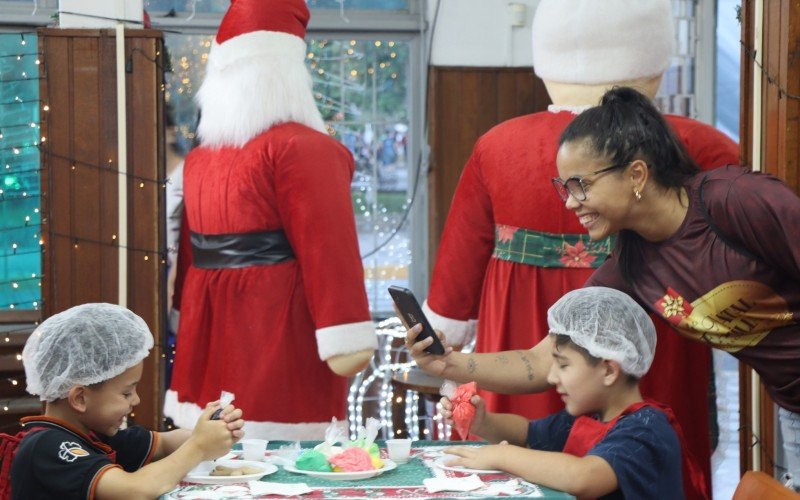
591, 42
575, 110
346, 339
185, 416
456, 332
252, 82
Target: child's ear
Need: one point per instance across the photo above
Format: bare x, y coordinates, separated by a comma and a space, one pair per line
611, 372
77, 398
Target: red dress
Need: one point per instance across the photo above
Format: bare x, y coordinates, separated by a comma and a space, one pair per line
510, 250
264, 331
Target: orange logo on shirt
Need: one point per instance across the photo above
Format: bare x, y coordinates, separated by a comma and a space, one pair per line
69, 451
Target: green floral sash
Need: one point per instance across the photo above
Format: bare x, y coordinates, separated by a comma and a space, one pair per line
536, 248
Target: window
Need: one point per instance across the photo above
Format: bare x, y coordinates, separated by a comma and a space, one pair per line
20, 254
363, 89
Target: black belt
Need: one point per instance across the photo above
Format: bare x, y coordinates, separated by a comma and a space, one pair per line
220, 251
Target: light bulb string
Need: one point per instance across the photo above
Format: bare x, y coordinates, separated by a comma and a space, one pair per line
20, 280
31, 79
19, 101
20, 54
771, 80
17, 228
11, 305
18, 125
72, 161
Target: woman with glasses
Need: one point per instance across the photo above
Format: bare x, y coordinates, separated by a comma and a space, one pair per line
715, 254
509, 250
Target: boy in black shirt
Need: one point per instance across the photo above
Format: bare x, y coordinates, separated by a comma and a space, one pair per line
85, 364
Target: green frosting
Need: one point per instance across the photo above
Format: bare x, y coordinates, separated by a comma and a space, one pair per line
314, 461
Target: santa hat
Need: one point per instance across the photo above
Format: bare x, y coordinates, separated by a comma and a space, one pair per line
255, 74
596, 42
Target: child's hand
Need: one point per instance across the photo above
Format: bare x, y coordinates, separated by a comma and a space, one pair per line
476, 457
232, 416
446, 411
214, 438
429, 363
480, 414
446, 408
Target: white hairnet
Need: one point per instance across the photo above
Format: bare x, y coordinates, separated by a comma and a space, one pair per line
83, 345
608, 324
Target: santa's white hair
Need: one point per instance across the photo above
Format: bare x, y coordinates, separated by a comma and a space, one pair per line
254, 81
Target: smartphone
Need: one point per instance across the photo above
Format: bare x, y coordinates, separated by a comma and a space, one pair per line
412, 314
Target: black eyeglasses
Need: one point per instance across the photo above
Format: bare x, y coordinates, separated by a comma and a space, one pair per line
574, 185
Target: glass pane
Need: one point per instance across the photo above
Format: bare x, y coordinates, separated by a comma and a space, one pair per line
362, 90
222, 5
359, 4
361, 87
186, 5
20, 252
677, 94
728, 66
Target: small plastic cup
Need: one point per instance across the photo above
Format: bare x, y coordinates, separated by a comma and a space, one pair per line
399, 450
254, 449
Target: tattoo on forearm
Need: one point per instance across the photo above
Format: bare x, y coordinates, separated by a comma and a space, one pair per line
471, 365
502, 359
528, 365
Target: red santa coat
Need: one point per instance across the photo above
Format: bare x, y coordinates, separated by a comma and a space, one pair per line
252, 330
506, 185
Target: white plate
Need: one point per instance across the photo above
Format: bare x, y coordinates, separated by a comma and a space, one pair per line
200, 474
440, 463
344, 476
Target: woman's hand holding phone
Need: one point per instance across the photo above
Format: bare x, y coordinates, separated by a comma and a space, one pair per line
431, 364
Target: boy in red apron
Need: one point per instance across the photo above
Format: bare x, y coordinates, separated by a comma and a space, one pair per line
608, 442
85, 363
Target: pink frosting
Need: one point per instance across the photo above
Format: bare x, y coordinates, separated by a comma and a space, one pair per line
352, 460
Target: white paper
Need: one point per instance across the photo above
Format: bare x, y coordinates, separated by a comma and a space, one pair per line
266, 488
469, 483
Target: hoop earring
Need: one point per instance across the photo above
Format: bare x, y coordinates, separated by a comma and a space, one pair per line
637, 194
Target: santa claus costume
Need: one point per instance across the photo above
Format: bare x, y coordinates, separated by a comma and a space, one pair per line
510, 249
275, 286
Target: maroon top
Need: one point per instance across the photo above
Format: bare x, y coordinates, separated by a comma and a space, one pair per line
711, 291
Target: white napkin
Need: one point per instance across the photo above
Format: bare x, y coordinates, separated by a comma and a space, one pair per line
509, 488
264, 488
469, 483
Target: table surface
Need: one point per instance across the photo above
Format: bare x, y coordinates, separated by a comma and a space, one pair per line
406, 481
419, 381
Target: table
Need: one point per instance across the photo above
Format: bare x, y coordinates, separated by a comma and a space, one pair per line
401, 483
419, 381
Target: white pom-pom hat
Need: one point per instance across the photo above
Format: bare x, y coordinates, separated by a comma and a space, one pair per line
602, 41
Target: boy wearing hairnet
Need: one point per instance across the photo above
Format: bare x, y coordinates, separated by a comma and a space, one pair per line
608, 442
85, 363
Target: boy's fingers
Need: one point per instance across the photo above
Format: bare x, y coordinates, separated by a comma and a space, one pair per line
208, 411
232, 414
